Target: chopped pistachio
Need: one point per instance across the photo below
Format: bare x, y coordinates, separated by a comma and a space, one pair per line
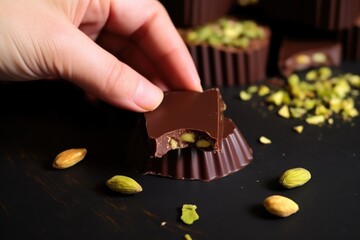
278, 97
188, 137
299, 128
244, 95
325, 73
187, 237
173, 144
311, 75
284, 111
263, 90
315, 120
264, 140
189, 214
252, 89
319, 58
297, 112
203, 143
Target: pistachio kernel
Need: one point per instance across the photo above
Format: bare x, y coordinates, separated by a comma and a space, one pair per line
319, 58
173, 144
284, 112
264, 140
299, 128
203, 143
188, 137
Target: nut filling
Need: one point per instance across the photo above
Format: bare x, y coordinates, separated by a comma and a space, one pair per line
182, 139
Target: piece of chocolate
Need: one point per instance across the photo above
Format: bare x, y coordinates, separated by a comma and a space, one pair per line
193, 163
241, 63
350, 39
185, 118
197, 116
191, 13
300, 54
320, 14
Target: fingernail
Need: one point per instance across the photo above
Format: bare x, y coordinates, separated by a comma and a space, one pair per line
148, 96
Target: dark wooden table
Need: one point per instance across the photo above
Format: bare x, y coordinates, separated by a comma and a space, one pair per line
40, 119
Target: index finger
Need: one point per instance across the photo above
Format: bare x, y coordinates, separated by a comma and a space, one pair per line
149, 25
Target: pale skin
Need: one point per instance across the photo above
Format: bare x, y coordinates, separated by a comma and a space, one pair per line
125, 52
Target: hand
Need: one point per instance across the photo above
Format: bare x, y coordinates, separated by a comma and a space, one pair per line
123, 52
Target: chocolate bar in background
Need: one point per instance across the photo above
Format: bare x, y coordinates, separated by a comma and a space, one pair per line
199, 114
191, 13
350, 39
319, 14
300, 54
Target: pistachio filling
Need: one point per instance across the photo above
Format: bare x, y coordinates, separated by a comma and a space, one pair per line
188, 138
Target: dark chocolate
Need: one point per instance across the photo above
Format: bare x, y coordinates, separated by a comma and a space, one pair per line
300, 54
191, 13
350, 39
320, 14
185, 111
193, 163
229, 66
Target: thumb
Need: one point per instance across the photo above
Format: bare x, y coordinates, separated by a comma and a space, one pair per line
89, 66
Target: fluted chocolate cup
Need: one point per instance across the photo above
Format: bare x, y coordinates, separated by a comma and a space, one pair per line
193, 163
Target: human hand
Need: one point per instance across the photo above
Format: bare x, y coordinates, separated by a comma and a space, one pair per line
123, 52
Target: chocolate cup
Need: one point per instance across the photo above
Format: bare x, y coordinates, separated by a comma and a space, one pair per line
192, 13
229, 66
194, 164
320, 14
350, 39
293, 48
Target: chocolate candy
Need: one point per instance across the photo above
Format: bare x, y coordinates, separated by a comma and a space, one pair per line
183, 115
198, 117
231, 66
300, 54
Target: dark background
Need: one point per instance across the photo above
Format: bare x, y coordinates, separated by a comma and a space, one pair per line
40, 119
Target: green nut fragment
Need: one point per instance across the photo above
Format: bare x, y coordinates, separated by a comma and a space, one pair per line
123, 184
311, 75
252, 89
315, 120
297, 112
284, 111
187, 237
173, 144
295, 177
264, 140
189, 214
263, 90
244, 95
319, 58
188, 137
201, 143
299, 128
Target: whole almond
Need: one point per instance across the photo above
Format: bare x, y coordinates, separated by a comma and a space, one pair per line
69, 158
280, 206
